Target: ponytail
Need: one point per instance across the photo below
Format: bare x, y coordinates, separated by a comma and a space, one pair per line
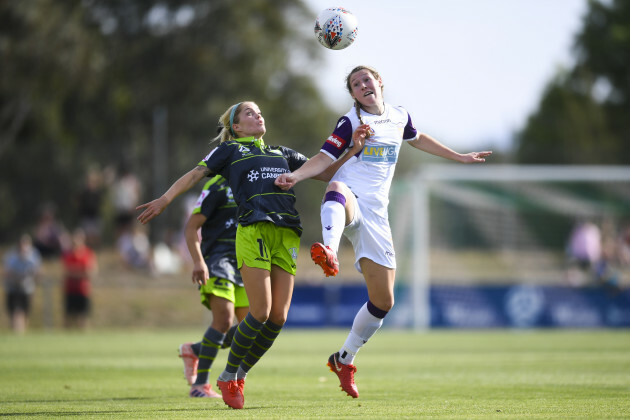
224, 128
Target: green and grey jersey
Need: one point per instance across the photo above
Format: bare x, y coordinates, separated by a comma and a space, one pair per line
251, 168
218, 232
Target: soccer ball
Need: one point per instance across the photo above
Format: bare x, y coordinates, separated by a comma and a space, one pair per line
336, 28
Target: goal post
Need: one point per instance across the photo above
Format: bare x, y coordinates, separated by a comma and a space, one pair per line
498, 215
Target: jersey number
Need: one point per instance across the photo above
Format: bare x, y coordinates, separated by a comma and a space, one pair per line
261, 248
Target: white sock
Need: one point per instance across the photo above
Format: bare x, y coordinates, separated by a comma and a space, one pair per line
364, 326
333, 216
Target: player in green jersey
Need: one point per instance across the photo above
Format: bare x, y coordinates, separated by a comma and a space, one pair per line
268, 233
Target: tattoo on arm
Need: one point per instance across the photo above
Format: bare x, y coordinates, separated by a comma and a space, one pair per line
203, 169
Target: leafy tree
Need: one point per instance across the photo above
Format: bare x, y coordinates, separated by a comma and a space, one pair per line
81, 83
582, 115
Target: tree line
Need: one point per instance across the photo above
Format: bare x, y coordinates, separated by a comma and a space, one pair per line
100, 82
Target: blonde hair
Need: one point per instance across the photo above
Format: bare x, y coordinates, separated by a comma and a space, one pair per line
357, 104
224, 129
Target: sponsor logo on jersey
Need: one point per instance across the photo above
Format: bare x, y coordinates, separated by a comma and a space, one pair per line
379, 154
265, 172
229, 223
385, 121
244, 150
338, 142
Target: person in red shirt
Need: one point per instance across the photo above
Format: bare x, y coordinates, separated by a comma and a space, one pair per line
80, 267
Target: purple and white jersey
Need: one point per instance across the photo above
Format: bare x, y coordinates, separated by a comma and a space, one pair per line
369, 174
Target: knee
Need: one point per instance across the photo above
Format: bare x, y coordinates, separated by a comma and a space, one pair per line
335, 186
385, 304
222, 325
278, 317
260, 316
222, 321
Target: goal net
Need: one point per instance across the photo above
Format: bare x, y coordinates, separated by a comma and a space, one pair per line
502, 224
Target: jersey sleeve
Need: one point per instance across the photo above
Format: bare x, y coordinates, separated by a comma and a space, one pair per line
295, 160
339, 140
209, 199
410, 132
212, 201
216, 160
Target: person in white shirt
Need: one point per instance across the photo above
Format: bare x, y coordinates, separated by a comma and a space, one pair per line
356, 199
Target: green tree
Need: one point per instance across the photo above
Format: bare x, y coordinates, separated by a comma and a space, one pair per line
582, 115
81, 83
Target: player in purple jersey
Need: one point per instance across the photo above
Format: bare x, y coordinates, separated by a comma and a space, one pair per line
356, 199
267, 237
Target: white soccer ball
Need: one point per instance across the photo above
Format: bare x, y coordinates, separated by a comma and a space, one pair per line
336, 28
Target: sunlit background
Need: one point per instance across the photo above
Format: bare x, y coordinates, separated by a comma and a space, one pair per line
104, 104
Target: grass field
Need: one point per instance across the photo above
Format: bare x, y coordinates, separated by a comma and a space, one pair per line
438, 374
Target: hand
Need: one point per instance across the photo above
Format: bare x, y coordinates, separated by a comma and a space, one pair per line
151, 209
361, 133
475, 157
285, 181
200, 273
358, 138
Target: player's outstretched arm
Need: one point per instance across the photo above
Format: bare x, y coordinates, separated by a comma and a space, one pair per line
310, 169
430, 145
183, 184
358, 140
321, 166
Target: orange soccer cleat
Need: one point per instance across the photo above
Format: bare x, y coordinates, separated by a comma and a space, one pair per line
232, 393
345, 374
325, 257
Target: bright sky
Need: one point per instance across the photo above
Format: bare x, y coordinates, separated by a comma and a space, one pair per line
468, 71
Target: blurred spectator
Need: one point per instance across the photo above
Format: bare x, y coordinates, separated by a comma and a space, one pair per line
21, 271
89, 205
615, 257
584, 252
624, 246
166, 257
50, 237
135, 249
126, 194
80, 267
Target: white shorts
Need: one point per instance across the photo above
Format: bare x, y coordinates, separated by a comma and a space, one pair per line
371, 237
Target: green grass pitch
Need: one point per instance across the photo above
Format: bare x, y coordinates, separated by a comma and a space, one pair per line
575, 374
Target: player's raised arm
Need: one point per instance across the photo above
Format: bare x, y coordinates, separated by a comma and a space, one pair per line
183, 184
428, 144
321, 166
358, 140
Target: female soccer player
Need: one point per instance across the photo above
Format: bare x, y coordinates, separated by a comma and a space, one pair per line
267, 236
216, 273
355, 202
